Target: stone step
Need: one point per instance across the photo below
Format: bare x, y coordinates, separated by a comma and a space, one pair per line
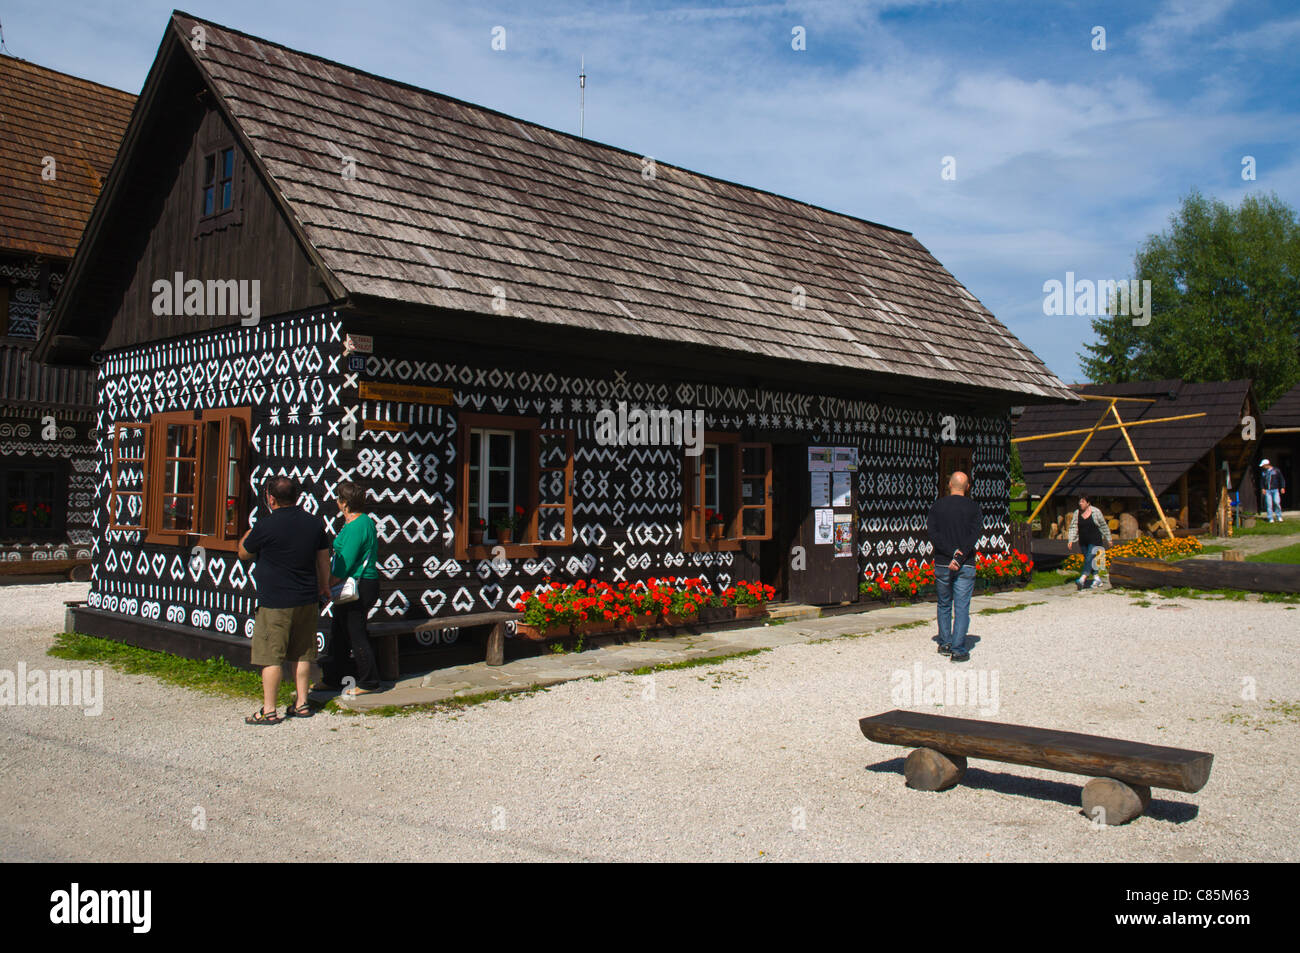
789, 612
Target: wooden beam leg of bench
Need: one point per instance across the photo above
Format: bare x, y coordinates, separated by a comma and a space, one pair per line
386, 656
1111, 802
496, 644
930, 770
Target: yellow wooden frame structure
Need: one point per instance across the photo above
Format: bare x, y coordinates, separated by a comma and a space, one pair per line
1122, 427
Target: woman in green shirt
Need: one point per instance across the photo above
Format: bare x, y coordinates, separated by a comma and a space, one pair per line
356, 549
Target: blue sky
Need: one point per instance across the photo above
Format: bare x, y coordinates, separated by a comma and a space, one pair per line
1066, 157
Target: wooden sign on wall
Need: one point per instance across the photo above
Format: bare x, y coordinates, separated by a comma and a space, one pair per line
399, 425
406, 393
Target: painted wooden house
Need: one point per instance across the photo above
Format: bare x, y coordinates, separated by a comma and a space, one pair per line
448, 298
58, 137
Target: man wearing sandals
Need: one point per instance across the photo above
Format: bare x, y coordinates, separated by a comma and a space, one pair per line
292, 577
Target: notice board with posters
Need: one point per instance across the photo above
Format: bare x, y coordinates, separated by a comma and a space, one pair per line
829, 535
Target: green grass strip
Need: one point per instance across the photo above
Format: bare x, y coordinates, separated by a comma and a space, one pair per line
695, 662
1023, 605
1289, 555
211, 676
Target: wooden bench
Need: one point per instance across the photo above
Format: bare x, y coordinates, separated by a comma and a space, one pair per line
385, 634
77, 570
1123, 771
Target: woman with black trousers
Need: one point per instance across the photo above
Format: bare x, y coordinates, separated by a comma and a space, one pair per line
356, 550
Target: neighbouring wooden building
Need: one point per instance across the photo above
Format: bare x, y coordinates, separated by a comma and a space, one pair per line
449, 298
1281, 444
58, 137
1194, 465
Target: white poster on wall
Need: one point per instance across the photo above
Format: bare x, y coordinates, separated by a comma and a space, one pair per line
823, 527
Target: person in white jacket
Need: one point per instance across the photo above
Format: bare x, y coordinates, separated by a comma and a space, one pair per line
1088, 530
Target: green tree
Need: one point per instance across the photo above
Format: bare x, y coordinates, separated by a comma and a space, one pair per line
1225, 301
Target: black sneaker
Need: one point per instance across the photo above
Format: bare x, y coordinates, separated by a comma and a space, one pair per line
945, 648
1080, 585
961, 656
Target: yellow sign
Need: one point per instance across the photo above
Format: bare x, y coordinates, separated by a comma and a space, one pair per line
406, 393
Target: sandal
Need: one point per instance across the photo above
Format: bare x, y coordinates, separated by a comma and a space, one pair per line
262, 718
299, 711
354, 692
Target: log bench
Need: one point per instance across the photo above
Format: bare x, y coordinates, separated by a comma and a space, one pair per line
1123, 772
77, 570
385, 635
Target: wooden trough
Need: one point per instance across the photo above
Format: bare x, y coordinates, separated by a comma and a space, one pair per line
1132, 573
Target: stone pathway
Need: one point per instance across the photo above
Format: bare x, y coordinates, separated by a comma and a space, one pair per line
468, 680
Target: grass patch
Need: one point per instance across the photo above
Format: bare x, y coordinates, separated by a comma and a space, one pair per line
446, 705
1046, 580
1023, 605
1284, 554
1265, 528
694, 662
1184, 592
1274, 713
908, 625
211, 676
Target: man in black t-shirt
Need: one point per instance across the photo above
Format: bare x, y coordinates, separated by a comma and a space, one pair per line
292, 577
954, 524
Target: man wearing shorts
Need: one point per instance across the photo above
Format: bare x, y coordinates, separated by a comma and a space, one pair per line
292, 577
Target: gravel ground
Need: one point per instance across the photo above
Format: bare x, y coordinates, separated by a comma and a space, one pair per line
754, 759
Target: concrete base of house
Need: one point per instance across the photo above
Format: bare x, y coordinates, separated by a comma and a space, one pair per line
183, 640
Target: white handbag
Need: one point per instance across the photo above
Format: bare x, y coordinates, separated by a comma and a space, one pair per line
347, 592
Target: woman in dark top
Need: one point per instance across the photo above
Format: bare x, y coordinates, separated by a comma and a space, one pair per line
356, 551
1090, 531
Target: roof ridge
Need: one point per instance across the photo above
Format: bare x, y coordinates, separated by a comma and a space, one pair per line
528, 122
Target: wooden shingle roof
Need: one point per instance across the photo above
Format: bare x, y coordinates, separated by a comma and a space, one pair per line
1285, 411
74, 121
452, 202
1171, 447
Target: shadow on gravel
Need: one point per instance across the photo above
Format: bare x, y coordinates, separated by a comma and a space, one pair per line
1062, 792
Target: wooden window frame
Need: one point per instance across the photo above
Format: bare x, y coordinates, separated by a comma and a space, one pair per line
949, 451
57, 470
529, 546
694, 530
219, 217
154, 469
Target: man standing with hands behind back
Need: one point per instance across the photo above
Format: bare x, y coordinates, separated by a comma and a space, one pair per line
292, 576
954, 524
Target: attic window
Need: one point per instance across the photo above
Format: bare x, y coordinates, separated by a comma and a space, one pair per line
218, 182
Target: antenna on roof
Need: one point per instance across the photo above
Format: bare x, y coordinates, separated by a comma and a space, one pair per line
582, 94
3, 49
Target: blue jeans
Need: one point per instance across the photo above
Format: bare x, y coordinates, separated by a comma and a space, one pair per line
1089, 555
1273, 501
954, 591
